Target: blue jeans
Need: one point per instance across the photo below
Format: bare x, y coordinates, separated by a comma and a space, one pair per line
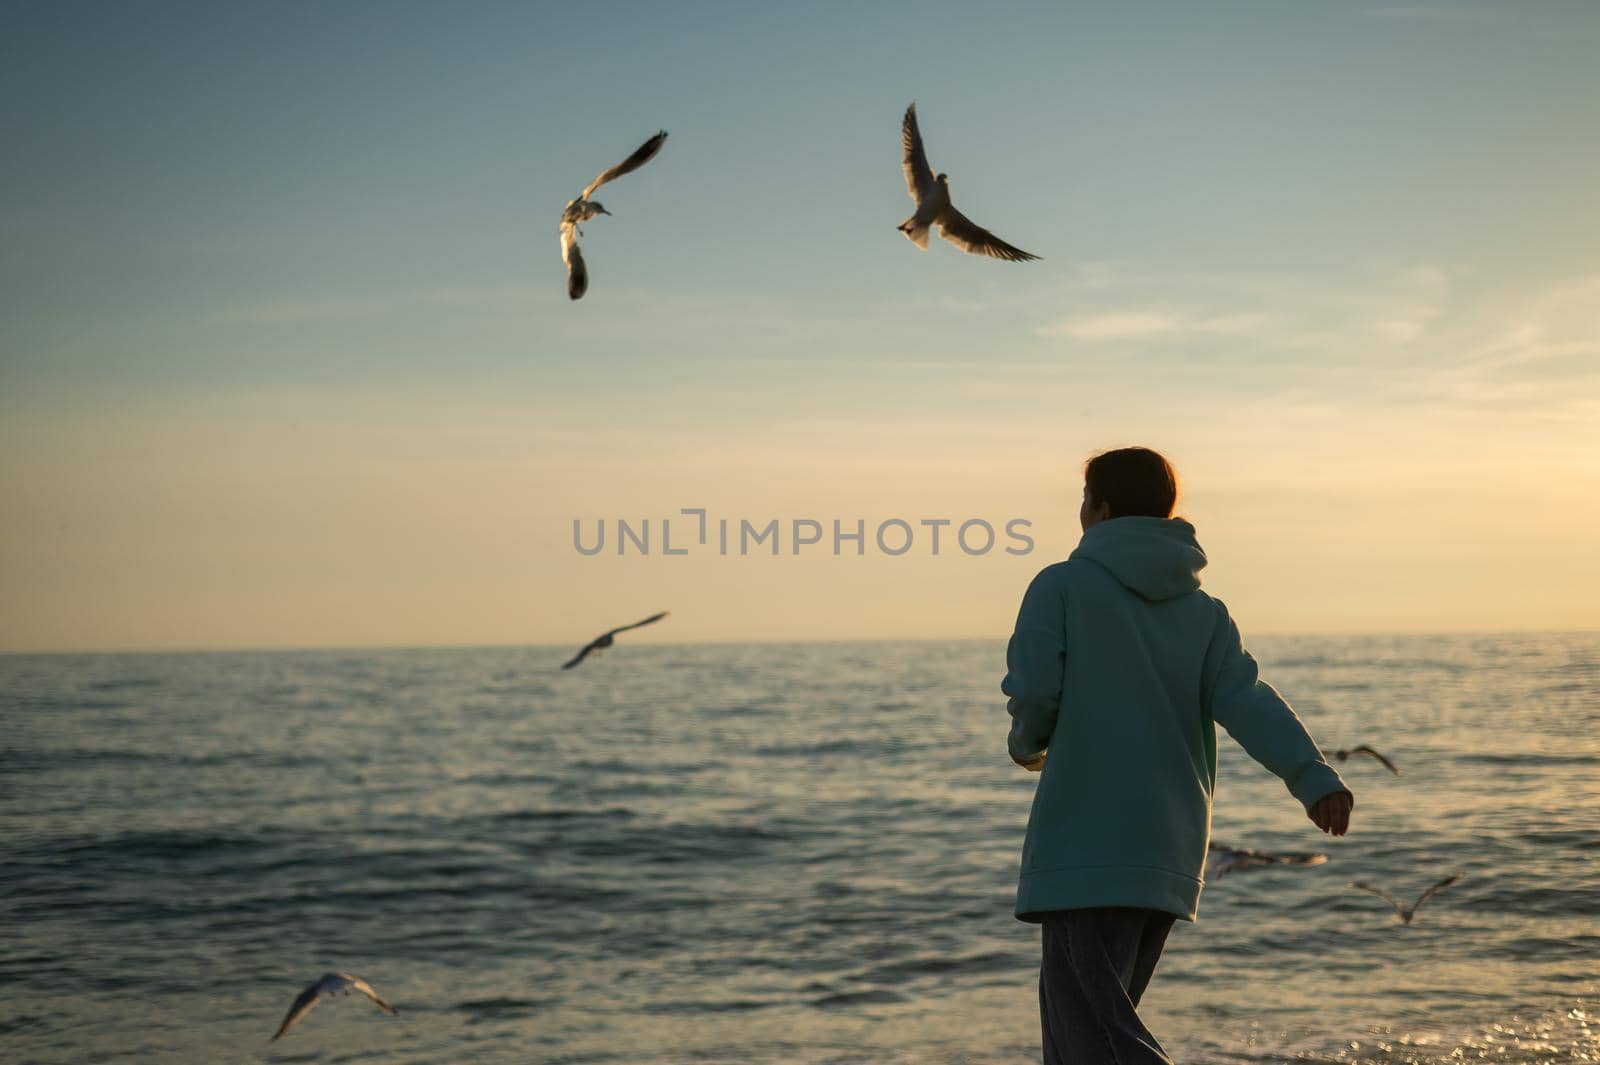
1097, 963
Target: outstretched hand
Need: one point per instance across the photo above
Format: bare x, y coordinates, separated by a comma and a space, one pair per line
1331, 813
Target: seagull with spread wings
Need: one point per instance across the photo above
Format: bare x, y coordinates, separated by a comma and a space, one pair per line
931, 192
1343, 755
606, 639
1406, 912
330, 984
582, 209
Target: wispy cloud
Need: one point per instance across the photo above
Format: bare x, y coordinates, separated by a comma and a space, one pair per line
1420, 295
312, 309
1416, 338
1144, 324
1543, 351
1128, 325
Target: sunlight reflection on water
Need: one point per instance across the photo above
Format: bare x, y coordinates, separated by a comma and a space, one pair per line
738, 853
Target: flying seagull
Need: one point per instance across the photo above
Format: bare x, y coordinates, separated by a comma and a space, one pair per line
931, 193
1221, 858
1343, 755
582, 209
330, 984
1407, 912
606, 639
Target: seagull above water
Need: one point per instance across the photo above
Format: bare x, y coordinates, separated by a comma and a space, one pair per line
606, 639
1407, 912
1343, 755
931, 192
330, 984
1221, 858
582, 209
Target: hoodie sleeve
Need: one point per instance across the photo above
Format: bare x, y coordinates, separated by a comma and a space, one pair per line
1035, 662
1260, 720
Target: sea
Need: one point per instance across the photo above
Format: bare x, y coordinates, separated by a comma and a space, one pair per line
756, 854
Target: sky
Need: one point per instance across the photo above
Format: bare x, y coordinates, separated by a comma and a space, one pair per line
286, 358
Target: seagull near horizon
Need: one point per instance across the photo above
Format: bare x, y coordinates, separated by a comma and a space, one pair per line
1343, 755
1405, 913
606, 639
330, 984
1221, 859
931, 193
582, 209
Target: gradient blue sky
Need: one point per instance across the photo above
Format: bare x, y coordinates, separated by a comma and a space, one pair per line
287, 357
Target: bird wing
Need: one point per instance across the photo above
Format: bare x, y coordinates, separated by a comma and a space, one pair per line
651, 620
967, 235
1381, 893
1364, 749
303, 1004
581, 655
1440, 886
1244, 858
641, 155
366, 989
919, 175
1221, 859
1299, 858
572, 255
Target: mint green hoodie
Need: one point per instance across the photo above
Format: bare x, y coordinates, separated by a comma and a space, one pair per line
1119, 666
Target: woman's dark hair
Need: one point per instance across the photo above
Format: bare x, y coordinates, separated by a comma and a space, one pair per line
1132, 481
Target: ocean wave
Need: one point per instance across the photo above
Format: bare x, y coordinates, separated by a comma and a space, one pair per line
876, 996
1535, 759
741, 866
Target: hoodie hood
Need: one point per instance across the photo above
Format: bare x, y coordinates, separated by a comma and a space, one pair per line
1155, 558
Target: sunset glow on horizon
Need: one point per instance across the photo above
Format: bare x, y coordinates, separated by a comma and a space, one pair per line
288, 359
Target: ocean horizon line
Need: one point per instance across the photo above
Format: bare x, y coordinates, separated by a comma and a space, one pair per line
566, 646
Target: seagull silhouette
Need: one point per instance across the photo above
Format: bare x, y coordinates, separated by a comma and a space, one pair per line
1221, 859
931, 192
330, 984
606, 639
1344, 755
582, 209
1407, 912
